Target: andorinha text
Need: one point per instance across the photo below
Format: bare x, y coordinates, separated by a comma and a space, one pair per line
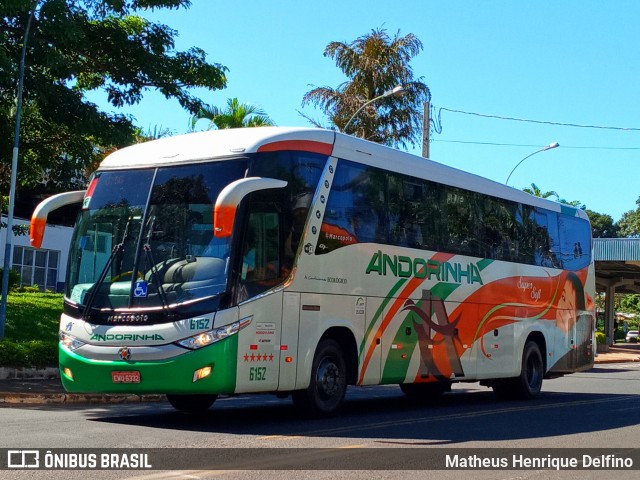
125, 336
403, 266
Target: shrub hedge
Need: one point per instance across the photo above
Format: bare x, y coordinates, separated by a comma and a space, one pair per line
31, 331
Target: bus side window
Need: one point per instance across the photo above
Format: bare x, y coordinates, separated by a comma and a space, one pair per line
575, 242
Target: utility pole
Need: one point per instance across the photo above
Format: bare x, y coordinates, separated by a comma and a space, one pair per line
14, 173
426, 126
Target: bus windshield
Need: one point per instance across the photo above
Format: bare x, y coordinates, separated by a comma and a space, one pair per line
144, 238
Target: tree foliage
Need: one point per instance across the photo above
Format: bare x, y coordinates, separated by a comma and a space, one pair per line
628, 303
536, 192
235, 115
629, 224
16, 228
374, 64
602, 225
76, 46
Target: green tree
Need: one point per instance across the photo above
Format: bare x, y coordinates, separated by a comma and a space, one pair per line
602, 225
235, 115
629, 224
15, 228
630, 303
374, 64
77, 46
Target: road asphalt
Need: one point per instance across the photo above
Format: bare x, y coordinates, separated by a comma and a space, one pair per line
22, 391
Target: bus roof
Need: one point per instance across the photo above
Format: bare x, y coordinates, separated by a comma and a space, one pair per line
209, 145
380, 156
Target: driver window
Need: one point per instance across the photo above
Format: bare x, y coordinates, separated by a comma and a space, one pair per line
261, 263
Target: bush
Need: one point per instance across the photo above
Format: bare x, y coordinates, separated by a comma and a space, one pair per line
42, 354
601, 338
33, 316
31, 333
12, 354
14, 278
36, 354
25, 289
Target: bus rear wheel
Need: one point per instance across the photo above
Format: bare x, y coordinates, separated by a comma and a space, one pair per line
328, 384
529, 383
191, 403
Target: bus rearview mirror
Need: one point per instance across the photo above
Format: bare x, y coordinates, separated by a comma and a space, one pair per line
224, 212
40, 214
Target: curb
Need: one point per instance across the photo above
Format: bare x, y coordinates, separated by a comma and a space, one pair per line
28, 373
73, 398
618, 360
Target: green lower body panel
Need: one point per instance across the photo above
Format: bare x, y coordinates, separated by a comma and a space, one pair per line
175, 375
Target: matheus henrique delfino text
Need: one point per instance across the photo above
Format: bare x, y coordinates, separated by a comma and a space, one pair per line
522, 462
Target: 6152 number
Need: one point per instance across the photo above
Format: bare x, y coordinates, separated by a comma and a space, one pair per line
257, 374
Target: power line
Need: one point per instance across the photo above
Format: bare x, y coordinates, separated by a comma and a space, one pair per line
544, 122
532, 146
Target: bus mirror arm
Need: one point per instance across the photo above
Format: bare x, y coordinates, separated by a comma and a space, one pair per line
224, 211
39, 216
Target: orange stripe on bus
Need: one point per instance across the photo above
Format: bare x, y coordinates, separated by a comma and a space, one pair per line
301, 145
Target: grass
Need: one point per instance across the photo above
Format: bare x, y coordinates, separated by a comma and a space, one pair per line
31, 331
33, 316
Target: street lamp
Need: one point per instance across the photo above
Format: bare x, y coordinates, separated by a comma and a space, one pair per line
548, 147
397, 90
12, 188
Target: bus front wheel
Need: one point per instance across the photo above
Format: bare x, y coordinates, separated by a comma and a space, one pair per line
191, 403
529, 383
328, 383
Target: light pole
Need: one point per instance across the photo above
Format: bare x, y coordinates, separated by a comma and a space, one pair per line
12, 188
548, 147
397, 90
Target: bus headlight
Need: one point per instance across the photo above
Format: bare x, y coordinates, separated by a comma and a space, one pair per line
69, 341
212, 336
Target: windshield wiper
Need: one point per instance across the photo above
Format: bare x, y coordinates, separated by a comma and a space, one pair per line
156, 277
155, 274
86, 313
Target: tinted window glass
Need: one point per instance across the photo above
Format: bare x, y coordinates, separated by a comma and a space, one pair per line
575, 242
370, 205
356, 208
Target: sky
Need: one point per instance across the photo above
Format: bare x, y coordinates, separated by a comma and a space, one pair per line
562, 62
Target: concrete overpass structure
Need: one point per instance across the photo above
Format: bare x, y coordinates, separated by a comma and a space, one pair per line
617, 262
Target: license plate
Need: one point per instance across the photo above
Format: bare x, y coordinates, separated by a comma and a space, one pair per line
125, 377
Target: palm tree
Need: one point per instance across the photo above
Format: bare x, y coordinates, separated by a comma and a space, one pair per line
236, 115
374, 64
536, 192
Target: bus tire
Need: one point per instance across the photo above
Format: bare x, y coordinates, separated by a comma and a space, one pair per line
191, 403
328, 383
529, 383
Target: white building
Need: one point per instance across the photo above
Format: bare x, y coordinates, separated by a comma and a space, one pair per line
46, 266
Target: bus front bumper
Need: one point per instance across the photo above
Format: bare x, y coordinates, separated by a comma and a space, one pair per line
209, 370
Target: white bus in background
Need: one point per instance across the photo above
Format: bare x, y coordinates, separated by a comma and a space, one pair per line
294, 260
